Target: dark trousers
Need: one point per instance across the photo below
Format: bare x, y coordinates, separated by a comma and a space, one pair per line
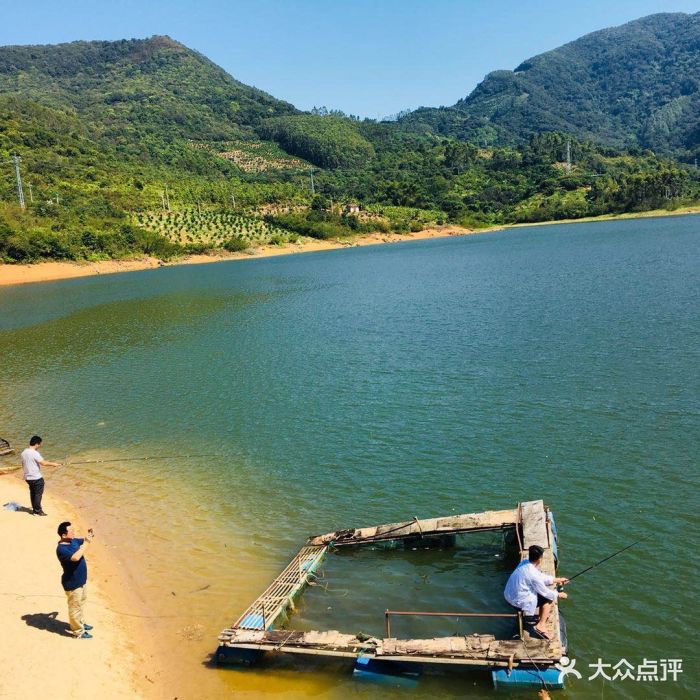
36, 491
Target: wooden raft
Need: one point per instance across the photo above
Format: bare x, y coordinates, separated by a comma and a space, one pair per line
253, 631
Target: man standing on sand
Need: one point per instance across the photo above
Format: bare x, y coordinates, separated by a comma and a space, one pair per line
32, 462
527, 590
74, 579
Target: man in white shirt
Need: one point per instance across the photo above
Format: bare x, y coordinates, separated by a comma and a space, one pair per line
32, 462
527, 590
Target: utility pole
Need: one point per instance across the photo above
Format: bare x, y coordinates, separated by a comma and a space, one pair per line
162, 199
568, 156
313, 188
58, 199
20, 193
233, 199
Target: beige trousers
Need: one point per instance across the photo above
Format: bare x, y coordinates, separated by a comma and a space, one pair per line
76, 608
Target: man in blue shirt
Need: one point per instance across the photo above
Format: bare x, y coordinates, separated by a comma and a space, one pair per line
70, 551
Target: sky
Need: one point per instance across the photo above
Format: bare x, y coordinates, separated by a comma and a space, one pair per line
371, 58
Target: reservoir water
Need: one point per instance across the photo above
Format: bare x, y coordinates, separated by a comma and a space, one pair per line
372, 385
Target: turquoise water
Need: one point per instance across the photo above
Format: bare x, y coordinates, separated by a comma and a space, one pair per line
371, 385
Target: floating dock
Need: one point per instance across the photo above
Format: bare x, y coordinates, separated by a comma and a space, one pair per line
521, 660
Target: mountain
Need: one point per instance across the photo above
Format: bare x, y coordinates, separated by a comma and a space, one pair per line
633, 86
145, 94
156, 86
145, 146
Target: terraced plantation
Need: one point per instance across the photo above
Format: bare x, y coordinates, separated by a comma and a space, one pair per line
254, 156
213, 229
259, 156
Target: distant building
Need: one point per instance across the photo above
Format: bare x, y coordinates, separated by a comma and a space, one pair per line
351, 209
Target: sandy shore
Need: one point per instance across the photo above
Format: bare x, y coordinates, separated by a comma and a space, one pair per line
651, 214
50, 271
37, 656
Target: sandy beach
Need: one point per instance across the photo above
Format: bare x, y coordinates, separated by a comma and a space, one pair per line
37, 655
50, 271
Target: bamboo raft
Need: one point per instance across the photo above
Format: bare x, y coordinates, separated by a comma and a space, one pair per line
253, 633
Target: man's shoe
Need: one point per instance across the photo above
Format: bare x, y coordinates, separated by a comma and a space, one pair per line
40, 512
84, 635
87, 628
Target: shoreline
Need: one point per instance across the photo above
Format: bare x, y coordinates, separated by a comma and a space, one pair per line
38, 656
13, 275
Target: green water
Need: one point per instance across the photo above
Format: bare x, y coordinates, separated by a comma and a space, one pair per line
371, 385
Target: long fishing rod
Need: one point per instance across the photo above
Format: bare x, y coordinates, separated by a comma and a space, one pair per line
604, 560
139, 459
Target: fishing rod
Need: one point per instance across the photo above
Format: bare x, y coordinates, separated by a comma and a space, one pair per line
604, 560
139, 459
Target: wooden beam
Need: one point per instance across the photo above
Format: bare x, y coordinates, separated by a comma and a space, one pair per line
534, 524
450, 525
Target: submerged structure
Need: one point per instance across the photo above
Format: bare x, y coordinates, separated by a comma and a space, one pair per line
5, 448
521, 659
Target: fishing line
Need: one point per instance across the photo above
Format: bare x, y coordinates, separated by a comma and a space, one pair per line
604, 560
138, 459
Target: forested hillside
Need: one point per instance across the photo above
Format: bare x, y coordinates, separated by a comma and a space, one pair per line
633, 86
144, 146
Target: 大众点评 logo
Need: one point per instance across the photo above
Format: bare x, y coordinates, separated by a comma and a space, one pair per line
650, 670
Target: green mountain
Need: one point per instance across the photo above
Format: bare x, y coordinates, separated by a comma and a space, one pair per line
145, 146
146, 86
637, 85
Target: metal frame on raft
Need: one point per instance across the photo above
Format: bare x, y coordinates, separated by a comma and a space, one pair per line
521, 660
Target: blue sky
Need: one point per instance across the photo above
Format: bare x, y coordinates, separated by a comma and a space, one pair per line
366, 57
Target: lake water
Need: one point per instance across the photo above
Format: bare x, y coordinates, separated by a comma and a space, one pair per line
373, 385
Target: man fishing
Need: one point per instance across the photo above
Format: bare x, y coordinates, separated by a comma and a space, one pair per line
527, 590
32, 462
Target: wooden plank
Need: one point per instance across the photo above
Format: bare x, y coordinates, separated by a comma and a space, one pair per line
336, 653
534, 524
476, 649
535, 531
467, 522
